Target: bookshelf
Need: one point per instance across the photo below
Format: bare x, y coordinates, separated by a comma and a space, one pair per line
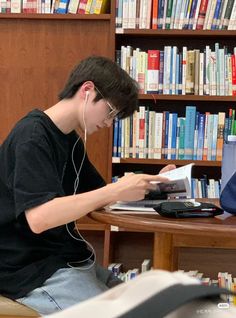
136, 242
156, 39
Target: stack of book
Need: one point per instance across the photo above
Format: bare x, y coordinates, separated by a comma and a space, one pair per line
176, 14
54, 6
153, 135
177, 71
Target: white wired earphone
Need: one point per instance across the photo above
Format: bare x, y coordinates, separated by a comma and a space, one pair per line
76, 184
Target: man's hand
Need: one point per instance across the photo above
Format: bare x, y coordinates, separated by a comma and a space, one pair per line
167, 168
133, 187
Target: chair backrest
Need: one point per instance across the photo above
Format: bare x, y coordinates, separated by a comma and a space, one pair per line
10, 308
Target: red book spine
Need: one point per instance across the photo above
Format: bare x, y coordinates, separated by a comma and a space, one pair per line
202, 14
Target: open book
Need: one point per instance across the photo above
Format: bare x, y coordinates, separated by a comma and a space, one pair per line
177, 188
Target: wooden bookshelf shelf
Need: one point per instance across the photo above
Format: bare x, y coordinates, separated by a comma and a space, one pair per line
39, 16
202, 163
177, 33
187, 98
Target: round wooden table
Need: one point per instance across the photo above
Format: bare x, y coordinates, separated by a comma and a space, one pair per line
217, 232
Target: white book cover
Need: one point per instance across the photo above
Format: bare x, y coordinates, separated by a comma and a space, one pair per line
177, 14
208, 71
15, 6
232, 19
173, 70
201, 74
207, 14
182, 12
213, 74
167, 66
125, 11
158, 135
151, 134
73, 6
222, 71
132, 14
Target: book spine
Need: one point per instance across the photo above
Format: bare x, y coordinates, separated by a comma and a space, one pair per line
201, 129
189, 132
141, 131
158, 135
181, 138
202, 14
153, 71
174, 136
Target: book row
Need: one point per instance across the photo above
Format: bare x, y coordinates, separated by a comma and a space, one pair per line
200, 188
181, 71
117, 270
156, 135
223, 280
176, 14
54, 6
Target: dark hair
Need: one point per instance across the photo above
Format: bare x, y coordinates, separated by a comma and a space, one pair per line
115, 85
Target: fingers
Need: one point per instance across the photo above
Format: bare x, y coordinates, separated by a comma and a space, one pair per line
168, 168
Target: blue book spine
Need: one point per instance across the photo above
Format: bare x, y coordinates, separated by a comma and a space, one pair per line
181, 138
201, 130
189, 132
192, 13
196, 137
119, 139
115, 137
161, 6
174, 135
63, 6
166, 134
214, 137
226, 129
216, 15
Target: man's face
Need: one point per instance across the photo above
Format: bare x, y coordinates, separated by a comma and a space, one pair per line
98, 115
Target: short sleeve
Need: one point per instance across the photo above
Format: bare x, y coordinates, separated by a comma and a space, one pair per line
37, 178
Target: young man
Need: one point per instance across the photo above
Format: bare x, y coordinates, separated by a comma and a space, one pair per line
47, 182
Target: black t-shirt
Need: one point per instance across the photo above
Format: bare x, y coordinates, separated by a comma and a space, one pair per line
35, 167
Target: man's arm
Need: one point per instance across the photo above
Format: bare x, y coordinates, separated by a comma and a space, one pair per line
66, 209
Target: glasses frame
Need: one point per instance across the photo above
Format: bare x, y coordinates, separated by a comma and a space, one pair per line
113, 112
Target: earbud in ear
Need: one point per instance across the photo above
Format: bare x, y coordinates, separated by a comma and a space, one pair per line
87, 95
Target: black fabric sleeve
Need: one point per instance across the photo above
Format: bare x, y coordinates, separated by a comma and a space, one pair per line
35, 179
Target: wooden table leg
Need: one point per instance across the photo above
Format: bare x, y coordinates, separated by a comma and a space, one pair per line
107, 249
163, 251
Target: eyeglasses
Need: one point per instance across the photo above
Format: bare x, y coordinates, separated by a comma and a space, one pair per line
113, 112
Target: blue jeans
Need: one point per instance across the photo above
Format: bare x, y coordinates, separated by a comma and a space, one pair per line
67, 287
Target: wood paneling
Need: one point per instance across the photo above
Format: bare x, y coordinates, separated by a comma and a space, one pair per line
36, 58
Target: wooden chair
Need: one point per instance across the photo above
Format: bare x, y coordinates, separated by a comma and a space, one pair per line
12, 309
